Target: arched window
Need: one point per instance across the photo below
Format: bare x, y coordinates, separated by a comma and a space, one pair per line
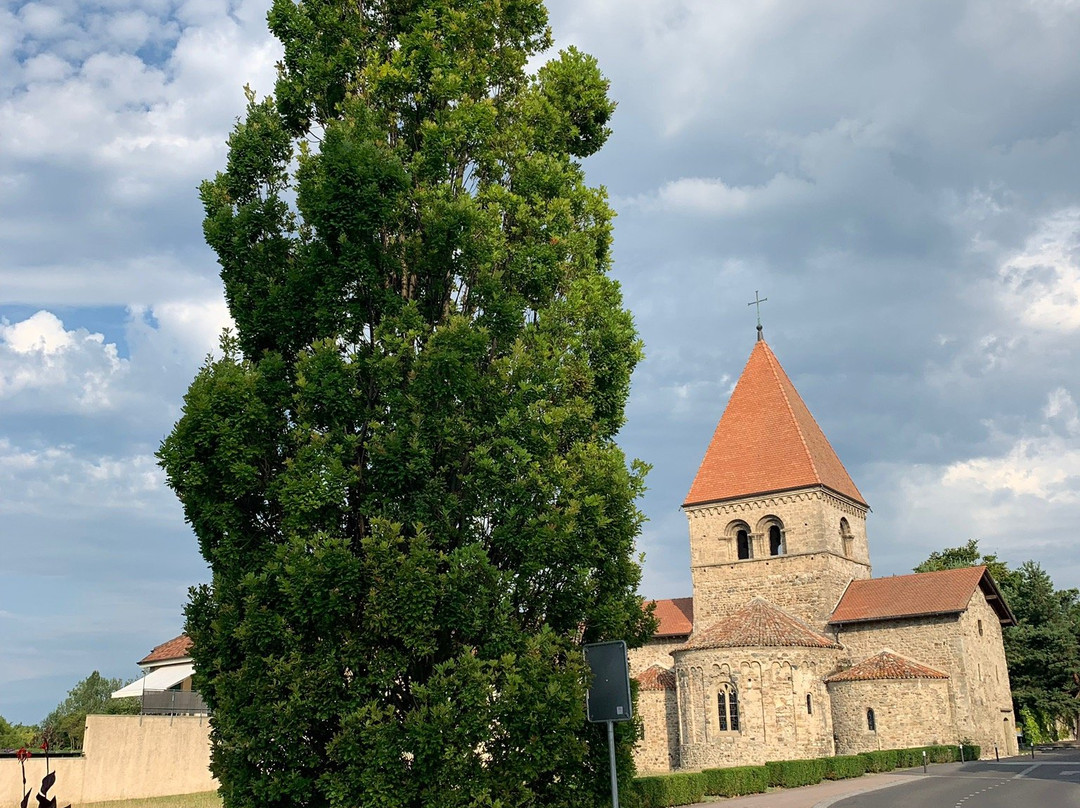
871, 724
845, 535
809, 705
742, 543
727, 708
776, 541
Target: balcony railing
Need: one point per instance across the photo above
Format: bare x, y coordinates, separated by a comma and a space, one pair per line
173, 702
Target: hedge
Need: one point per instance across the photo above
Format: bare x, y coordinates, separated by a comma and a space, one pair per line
736, 781
842, 767
686, 788
795, 773
661, 791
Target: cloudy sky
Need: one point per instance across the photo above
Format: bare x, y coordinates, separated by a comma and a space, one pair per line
901, 180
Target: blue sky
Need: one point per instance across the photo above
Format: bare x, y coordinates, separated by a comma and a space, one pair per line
902, 181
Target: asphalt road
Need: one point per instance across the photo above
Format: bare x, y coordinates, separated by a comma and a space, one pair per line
1051, 780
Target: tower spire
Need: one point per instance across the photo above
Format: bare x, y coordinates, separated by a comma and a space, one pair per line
757, 301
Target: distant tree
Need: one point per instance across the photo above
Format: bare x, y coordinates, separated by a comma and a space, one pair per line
968, 556
403, 470
65, 726
1042, 649
16, 736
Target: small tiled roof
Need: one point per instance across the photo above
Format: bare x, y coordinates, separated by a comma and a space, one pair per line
758, 624
656, 677
885, 665
766, 441
675, 617
176, 648
918, 594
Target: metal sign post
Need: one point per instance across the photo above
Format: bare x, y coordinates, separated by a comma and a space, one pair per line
608, 699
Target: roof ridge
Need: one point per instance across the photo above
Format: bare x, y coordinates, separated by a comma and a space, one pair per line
774, 363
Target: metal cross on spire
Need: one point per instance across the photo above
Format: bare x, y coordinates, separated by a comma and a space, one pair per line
757, 301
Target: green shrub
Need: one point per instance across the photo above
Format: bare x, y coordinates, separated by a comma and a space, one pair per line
972, 751
736, 781
883, 761
665, 790
795, 773
908, 758
844, 766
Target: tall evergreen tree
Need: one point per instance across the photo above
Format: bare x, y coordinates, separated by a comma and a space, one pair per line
402, 471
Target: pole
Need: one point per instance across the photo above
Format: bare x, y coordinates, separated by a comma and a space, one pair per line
997, 756
924, 762
611, 760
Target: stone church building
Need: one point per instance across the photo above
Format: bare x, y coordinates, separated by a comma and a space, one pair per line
788, 647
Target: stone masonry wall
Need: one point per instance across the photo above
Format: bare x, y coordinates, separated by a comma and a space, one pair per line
978, 681
806, 586
654, 652
658, 750
907, 712
810, 520
772, 686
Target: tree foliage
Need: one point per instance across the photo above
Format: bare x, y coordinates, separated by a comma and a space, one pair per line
402, 470
65, 726
1042, 649
16, 736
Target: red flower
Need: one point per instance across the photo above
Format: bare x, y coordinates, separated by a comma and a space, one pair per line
22, 754
45, 745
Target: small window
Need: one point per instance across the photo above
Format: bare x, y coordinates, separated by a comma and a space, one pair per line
871, 724
980, 628
776, 541
727, 708
742, 541
809, 705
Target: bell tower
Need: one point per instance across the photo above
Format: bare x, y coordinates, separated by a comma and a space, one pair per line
772, 511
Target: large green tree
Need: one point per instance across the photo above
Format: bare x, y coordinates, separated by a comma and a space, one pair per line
65, 726
402, 470
1042, 649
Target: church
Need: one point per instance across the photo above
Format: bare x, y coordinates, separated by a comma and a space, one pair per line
788, 647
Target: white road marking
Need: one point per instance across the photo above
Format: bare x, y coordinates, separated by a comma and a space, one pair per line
1025, 771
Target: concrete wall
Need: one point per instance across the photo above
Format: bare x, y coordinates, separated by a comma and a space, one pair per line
124, 757
907, 712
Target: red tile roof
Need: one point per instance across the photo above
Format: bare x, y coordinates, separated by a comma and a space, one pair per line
656, 678
759, 624
675, 617
767, 440
176, 648
919, 594
885, 665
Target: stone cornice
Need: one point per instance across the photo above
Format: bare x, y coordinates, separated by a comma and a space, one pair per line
774, 499
781, 559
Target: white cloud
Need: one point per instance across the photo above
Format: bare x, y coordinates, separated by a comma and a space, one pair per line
713, 197
42, 364
40, 480
1041, 282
